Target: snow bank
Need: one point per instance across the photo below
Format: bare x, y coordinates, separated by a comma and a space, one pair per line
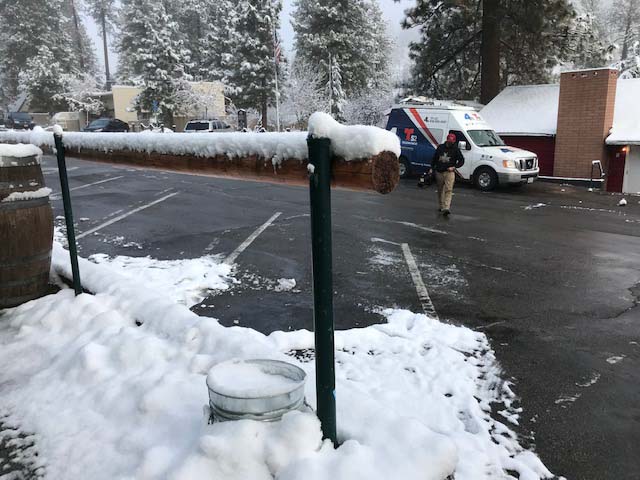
29, 195
349, 142
19, 150
110, 399
353, 141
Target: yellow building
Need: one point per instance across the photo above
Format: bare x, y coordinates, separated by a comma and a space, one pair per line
206, 101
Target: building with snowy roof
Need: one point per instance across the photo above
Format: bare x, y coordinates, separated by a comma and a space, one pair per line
589, 117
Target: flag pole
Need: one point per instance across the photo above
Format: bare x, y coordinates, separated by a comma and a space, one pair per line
275, 67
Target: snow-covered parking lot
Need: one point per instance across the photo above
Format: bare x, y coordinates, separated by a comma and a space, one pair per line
112, 385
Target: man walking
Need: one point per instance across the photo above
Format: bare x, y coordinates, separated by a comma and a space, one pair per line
445, 161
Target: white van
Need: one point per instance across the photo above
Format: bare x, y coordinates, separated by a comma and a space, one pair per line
487, 160
69, 121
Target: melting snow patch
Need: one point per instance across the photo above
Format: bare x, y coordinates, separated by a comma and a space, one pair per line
384, 257
567, 399
285, 285
615, 359
537, 205
184, 281
590, 381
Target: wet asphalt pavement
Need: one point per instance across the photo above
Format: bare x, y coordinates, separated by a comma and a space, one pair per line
555, 286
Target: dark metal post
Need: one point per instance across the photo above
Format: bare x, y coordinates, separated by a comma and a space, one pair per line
68, 213
320, 193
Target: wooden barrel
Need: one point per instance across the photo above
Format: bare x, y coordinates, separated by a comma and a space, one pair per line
26, 231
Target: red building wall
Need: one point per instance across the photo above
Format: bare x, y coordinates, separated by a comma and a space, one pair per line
544, 147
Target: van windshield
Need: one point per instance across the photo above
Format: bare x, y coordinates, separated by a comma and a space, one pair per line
485, 138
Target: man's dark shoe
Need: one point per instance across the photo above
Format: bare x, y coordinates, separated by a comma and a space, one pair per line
446, 212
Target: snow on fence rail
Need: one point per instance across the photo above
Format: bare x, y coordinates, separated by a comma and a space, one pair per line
364, 157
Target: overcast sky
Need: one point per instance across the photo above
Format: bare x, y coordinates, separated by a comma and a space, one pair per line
393, 13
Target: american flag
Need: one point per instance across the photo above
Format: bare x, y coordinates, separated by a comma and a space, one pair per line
277, 49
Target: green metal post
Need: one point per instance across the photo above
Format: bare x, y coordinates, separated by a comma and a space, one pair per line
320, 193
68, 213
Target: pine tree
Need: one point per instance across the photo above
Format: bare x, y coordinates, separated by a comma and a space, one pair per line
352, 32
82, 44
337, 97
252, 69
43, 76
524, 40
105, 13
32, 33
152, 56
625, 25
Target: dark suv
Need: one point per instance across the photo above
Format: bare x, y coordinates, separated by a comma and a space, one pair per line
107, 125
20, 120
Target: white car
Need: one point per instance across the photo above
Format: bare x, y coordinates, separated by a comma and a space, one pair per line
206, 126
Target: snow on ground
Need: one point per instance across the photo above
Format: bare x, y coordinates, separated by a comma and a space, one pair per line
186, 281
113, 386
352, 142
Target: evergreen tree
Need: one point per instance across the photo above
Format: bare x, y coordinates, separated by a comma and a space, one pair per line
625, 25
252, 70
152, 56
193, 21
352, 32
524, 41
337, 97
43, 77
82, 44
104, 13
26, 28
216, 57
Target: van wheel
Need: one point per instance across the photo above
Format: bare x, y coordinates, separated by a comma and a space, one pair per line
486, 179
404, 167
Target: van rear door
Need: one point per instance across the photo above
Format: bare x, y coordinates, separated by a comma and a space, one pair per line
420, 132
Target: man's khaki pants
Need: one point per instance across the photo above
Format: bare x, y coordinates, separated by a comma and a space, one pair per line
445, 181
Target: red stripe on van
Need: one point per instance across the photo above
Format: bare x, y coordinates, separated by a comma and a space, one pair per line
423, 125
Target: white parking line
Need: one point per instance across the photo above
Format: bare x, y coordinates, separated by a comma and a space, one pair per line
58, 196
243, 246
125, 215
421, 289
50, 170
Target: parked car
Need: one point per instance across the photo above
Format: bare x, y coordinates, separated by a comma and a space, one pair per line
488, 161
204, 126
19, 120
107, 125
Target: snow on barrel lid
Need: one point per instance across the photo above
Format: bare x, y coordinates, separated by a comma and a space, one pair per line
252, 379
20, 150
352, 142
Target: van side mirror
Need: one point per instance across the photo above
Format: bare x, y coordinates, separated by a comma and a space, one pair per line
464, 146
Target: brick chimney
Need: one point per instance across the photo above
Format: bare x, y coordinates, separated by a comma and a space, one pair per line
585, 115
